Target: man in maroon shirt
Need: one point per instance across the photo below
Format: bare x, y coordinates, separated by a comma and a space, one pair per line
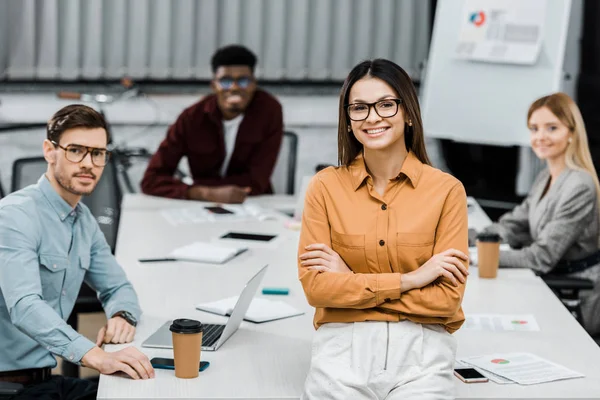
231, 138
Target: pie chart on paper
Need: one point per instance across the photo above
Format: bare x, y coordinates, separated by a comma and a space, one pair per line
500, 361
519, 322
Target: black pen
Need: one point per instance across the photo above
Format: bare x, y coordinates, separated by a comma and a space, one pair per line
149, 260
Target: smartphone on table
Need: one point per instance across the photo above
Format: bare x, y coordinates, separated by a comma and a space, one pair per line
169, 363
248, 236
470, 375
218, 210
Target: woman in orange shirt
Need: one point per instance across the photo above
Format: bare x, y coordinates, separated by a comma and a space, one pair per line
382, 251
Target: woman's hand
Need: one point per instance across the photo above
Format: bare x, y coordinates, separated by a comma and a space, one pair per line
446, 264
319, 257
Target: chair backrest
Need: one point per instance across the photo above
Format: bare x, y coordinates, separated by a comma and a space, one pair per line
284, 173
131, 167
131, 172
104, 202
1, 190
27, 171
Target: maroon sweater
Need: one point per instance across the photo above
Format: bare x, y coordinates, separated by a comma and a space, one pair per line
198, 134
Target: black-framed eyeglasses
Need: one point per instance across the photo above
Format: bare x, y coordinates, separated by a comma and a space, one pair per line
386, 108
242, 82
76, 153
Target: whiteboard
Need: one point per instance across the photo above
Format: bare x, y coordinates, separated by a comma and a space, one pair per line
486, 103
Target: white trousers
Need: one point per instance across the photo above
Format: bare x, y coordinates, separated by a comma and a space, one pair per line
381, 360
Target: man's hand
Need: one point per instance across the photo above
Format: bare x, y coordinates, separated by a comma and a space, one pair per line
130, 361
230, 194
117, 330
447, 264
320, 257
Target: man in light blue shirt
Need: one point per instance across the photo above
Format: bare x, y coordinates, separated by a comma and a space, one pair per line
49, 244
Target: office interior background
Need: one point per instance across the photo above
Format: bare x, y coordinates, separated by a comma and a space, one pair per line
305, 49
53, 49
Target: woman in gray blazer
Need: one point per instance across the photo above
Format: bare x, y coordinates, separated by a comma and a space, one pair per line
557, 227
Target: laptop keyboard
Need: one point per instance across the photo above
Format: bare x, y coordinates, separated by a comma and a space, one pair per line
211, 334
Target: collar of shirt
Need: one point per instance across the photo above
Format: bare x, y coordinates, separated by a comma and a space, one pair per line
412, 169
60, 206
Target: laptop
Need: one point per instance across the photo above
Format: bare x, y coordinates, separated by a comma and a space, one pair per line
214, 334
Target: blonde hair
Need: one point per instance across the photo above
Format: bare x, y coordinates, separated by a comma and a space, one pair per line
578, 154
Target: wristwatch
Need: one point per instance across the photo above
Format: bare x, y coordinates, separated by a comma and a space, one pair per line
126, 315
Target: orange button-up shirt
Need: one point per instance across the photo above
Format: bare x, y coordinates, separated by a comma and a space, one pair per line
422, 212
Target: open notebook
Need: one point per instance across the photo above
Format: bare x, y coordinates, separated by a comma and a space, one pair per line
206, 252
260, 310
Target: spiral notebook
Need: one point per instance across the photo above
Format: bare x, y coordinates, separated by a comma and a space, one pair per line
260, 310
206, 252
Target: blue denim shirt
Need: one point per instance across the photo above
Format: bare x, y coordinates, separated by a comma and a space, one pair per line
47, 249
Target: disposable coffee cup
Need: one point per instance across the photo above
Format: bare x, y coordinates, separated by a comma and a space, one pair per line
488, 254
187, 344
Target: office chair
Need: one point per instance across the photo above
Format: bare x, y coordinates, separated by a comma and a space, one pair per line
1, 190
131, 167
284, 173
9, 389
567, 290
27, 171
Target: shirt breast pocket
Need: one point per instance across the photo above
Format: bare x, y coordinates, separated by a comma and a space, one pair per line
352, 250
52, 275
414, 249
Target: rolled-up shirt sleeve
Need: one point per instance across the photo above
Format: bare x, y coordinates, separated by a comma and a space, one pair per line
21, 287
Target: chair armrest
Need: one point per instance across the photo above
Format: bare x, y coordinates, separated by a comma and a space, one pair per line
10, 388
558, 282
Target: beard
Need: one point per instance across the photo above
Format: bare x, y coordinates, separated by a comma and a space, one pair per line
66, 183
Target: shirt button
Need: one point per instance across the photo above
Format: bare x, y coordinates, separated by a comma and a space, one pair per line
71, 357
382, 242
54, 266
64, 292
383, 207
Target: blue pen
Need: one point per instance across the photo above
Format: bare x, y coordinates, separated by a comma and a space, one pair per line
272, 290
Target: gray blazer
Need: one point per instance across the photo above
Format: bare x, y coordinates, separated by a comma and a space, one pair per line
563, 225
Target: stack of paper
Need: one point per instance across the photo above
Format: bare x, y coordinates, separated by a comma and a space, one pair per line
521, 368
492, 377
206, 252
260, 310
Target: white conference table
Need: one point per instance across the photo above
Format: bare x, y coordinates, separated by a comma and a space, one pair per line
270, 360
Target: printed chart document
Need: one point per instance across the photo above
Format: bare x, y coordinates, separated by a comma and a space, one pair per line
501, 322
492, 377
501, 31
260, 310
522, 368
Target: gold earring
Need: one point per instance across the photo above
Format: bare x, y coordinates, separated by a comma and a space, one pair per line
409, 123
349, 129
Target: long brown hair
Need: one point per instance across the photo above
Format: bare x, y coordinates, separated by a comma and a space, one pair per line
392, 74
578, 154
